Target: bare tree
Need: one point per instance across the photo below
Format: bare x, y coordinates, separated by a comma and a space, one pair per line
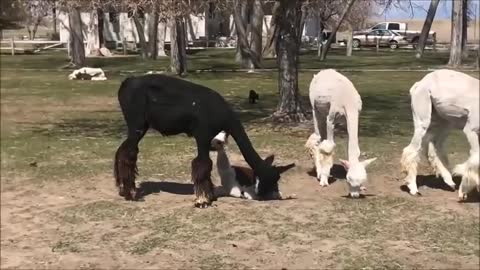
426, 27
256, 30
153, 21
269, 50
348, 6
287, 21
464, 29
77, 49
178, 55
240, 15
456, 38
35, 13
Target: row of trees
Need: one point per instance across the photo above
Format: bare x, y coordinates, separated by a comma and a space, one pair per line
461, 12
283, 37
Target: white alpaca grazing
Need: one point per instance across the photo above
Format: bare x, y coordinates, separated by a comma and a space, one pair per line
442, 100
334, 98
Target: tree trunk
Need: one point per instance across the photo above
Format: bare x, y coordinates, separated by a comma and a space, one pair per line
350, 40
77, 49
153, 34
269, 50
178, 54
323, 55
320, 36
190, 27
240, 15
101, 17
464, 29
141, 36
92, 34
432, 10
257, 28
162, 29
302, 25
38, 20
456, 38
54, 18
478, 51
288, 22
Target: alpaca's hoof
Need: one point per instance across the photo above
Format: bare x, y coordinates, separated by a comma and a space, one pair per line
462, 196
129, 195
323, 184
202, 203
452, 187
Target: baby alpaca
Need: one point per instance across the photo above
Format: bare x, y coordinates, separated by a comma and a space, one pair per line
334, 99
239, 181
441, 101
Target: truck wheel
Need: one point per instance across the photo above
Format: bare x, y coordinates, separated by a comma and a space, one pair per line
356, 43
393, 44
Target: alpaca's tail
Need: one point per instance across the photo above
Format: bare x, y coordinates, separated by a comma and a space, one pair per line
125, 171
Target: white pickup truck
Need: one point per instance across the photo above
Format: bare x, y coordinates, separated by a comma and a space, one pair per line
412, 36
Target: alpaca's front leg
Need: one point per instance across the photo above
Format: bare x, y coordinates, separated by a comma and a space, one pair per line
202, 183
326, 149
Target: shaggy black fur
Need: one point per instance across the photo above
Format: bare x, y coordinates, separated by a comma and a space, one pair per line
173, 106
252, 97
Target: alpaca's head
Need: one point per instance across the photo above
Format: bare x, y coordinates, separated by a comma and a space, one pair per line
219, 141
268, 176
356, 175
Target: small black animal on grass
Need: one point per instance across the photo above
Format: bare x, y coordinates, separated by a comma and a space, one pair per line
252, 97
173, 106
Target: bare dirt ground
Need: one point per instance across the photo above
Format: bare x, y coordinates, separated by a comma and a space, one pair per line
84, 224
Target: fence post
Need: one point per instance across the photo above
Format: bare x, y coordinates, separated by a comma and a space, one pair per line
124, 46
378, 45
12, 45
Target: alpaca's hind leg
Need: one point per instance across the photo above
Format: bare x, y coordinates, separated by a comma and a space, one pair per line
201, 174
437, 155
125, 166
422, 110
469, 169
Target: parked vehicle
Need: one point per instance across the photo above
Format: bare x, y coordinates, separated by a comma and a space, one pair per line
412, 36
382, 37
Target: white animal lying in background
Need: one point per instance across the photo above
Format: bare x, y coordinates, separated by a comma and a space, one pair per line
334, 99
239, 181
86, 73
442, 100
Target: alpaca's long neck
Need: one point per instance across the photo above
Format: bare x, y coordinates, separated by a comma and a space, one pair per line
352, 126
238, 133
222, 160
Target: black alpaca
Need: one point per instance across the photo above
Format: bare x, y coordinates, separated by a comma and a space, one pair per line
173, 106
252, 97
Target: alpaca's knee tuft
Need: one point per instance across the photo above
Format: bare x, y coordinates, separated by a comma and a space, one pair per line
409, 160
326, 147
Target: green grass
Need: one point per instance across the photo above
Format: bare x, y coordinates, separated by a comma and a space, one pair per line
63, 134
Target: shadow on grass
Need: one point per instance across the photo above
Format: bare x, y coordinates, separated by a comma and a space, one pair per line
152, 187
84, 127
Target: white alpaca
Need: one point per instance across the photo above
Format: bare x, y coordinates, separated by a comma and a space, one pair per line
239, 181
334, 98
442, 100
87, 73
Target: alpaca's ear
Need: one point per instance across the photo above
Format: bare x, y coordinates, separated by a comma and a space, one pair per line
367, 162
226, 138
269, 159
282, 169
345, 164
